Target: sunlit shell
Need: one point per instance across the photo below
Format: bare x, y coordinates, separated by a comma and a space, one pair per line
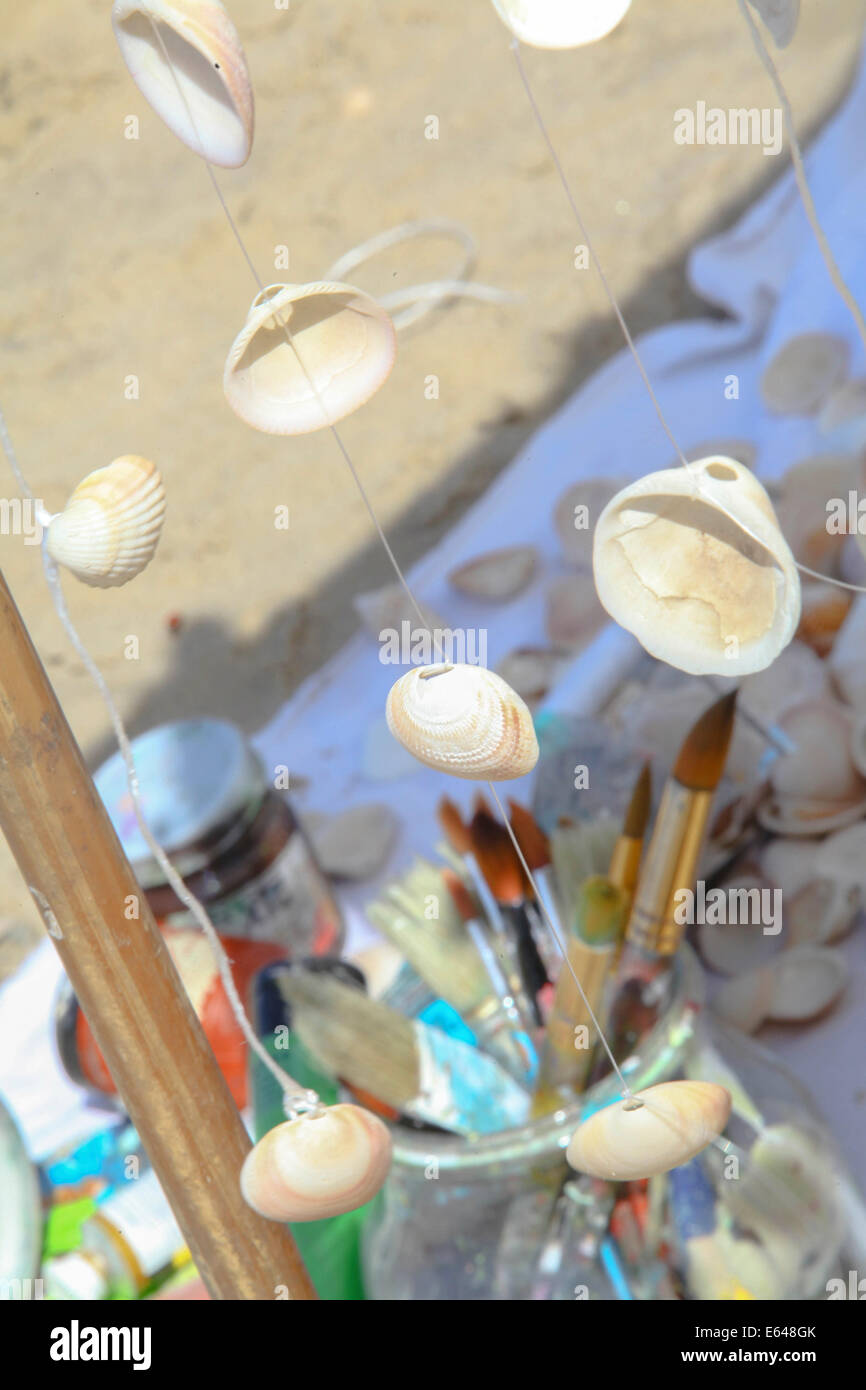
807, 980
825, 608
110, 527
317, 1166
499, 574
624, 1141
817, 780
205, 78
531, 671
692, 562
804, 371
306, 356
847, 660
560, 23
780, 17
574, 614
576, 512
386, 609
746, 1000
734, 946
464, 720
356, 843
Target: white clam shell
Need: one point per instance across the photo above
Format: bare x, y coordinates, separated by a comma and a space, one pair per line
355, 844
807, 980
746, 1000
692, 562
576, 512
110, 527
499, 574
676, 1121
207, 63
307, 356
560, 23
801, 375
318, 1165
817, 781
464, 720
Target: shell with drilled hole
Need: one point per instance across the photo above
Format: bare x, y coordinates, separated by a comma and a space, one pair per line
626, 1141
693, 563
307, 356
186, 59
560, 23
110, 527
318, 1165
464, 720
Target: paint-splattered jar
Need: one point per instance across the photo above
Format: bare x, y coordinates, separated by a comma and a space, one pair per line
230, 834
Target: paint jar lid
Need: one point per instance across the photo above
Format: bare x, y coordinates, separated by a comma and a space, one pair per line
200, 784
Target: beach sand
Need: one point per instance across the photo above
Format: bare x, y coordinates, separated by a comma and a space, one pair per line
118, 264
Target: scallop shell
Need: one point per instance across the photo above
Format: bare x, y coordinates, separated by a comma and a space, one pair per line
780, 17
560, 23
807, 981
317, 1166
692, 562
499, 574
624, 1142
110, 527
593, 494
825, 608
357, 843
574, 614
464, 720
207, 64
746, 1000
804, 371
307, 356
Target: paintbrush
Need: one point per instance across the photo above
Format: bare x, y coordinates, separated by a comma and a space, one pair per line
624, 864
455, 971
418, 1070
507, 881
642, 986
535, 848
458, 835
591, 944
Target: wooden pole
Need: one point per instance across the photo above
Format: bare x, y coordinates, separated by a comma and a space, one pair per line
126, 983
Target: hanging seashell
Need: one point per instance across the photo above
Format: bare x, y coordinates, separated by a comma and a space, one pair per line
807, 980
317, 1166
780, 17
816, 787
746, 1000
576, 513
560, 23
110, 527
692, 562
824, 610
804, 371
847, 660
355, 844
654, 1131
574, 614
307, 356
464, 720
499, 574
205, 78
531, 671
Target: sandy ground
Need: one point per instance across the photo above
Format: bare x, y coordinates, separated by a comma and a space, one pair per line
117, 262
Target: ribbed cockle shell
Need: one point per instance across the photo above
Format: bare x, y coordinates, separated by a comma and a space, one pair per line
464, 720
206, 62
110, 527
318, 1165
626, 1141
560, 23
306, 356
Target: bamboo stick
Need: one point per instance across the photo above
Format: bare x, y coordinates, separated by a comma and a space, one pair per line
164, 1069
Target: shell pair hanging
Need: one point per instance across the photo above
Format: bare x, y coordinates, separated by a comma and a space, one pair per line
110, 527
560, 23
464, 720
186, 59
318, 1165
692, 561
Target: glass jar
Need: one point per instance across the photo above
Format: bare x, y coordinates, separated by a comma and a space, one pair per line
437, 1226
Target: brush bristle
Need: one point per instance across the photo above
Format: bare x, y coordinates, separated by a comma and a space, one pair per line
637, 815
701, 759
451, 966
366, 1043
497, 859
451, 821
534, 844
